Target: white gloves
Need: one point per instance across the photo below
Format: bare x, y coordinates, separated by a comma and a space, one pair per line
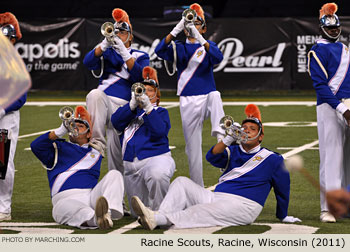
228, 140
61, 131
2, 112
195, 33
104, 45
120, 48
291, 219
178, 28
146, 103
133, 102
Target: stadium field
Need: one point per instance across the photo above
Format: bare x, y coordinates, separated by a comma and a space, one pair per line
290, 127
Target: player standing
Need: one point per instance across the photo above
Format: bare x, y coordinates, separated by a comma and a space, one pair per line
122, 66
199, 98
9, 120
329, 70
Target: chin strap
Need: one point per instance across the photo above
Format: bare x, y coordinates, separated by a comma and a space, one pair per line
330, 37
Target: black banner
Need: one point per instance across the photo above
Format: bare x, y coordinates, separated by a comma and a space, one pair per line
259, 53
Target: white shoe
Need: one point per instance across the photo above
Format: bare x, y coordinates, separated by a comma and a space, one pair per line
103, 218
5, 217
146, 215
97, 146
327, 217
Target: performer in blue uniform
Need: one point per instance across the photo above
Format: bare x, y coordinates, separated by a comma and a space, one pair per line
121, 66
328, 67
147, 158
73, 170
199, 99
9, 120
251, 172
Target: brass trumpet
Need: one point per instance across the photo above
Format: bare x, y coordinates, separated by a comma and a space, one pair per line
138, 88
67, 116
233, 129
107, 30
190, 15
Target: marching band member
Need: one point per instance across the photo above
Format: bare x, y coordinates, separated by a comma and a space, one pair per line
9, 120
122, 66
328, 67
73, 170
147, 158
199, 98
251, 171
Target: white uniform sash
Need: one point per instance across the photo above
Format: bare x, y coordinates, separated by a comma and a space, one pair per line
193, 64
88, 161
253, 162
129, 131
336, 81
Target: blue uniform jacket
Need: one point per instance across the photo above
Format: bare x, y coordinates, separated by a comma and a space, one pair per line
77, 167
200, 78
334, 57
143, 135
117, 79
254, 184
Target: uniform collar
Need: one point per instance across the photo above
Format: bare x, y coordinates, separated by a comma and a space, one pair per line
254, 150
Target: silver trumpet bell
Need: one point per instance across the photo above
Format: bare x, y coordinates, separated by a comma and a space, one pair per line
107, 30
233, 129
138, 88
190, 15
67, 116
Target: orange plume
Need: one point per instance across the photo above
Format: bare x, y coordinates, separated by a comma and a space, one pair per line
198, 10
150, 73
251, 110
120, 15
82, 113
9, 18
328, 9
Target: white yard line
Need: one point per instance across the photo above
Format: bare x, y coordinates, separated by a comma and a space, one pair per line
35, 134
125, 228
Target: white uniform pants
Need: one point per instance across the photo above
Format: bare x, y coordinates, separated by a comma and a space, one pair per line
101, 107
334, 148
188, 205
75, 206
194, 110
10, 122
149, 179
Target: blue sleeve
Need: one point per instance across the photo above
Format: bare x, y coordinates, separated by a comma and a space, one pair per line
136, 71
158, 123
218, 160
91, 61
122, 117
165, 51
320, 81
215, 55
43, 149
281, 187
17, 104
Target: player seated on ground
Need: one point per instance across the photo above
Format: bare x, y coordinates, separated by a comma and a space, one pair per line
240, 194
148, 165
73, 170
